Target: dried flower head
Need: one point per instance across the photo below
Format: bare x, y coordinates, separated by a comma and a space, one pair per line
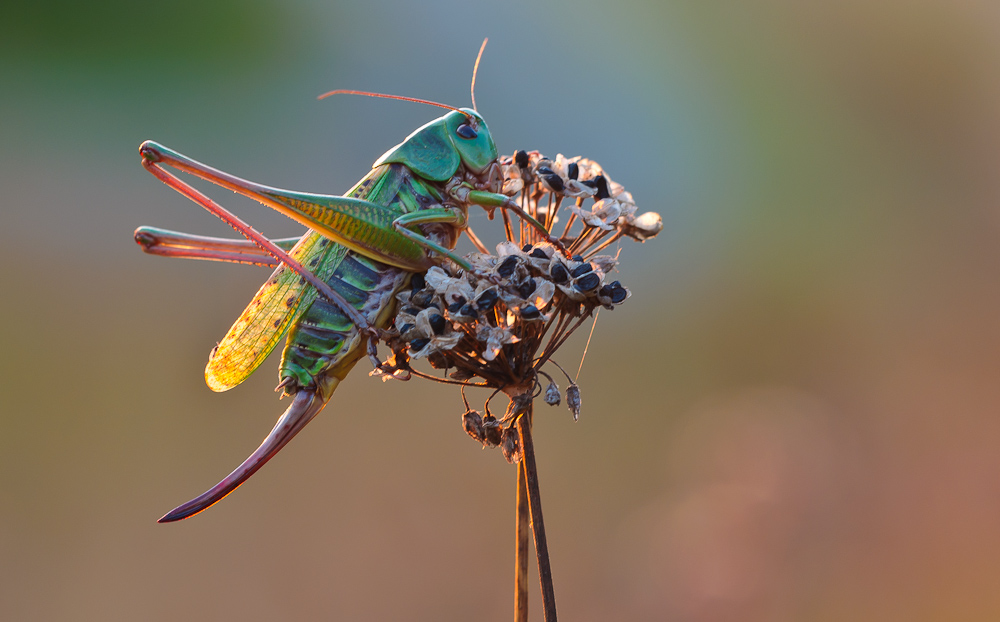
499, 323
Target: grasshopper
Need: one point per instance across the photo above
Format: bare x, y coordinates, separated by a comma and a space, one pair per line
333, 291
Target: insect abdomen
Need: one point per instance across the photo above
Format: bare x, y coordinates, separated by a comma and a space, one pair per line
323, 340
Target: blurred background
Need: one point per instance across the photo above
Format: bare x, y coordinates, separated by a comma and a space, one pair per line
795, 417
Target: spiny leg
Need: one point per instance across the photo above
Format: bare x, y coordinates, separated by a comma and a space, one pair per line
166, 243
152, 157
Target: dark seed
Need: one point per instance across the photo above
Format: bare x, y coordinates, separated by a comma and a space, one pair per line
544, 170
554, 181
526, 288
437, 323
418, 344
411, 310
421, 298
587, 282
455, 306
582, 269
469, 311
417, 282
590, 183
619, 295
559, 273
577, 258
507, 267
521, 158
405, 328
530, 312
487, 299
572, 170
526, 248
538, 254
602, 188
606, 291
615, 284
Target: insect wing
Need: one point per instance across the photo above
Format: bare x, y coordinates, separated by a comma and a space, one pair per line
277, 304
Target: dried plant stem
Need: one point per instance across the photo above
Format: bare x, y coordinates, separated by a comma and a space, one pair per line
521, 547
537, 524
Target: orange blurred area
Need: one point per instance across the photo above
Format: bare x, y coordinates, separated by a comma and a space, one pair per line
795, 417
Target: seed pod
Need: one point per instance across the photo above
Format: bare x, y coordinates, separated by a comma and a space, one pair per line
491, 431
618, 293
418, 344
559, 273
530, 312
553, 181
587, 282
526, 248
510, 445
573, 170
417, 282
552, 396
506, 268
521, 158
467, 313
582, 269
487, 299
602, 188
573, 400
526, 287
473, 425
538, 254
437, 323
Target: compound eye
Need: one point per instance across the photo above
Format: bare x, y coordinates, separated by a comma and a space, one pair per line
465, 131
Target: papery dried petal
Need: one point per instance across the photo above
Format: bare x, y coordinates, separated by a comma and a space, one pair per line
506, 248
575, 188
495, 338
604, 263
589, 218
543, 294
512, 187
644, 227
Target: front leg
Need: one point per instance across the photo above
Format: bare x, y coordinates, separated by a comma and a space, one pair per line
492, 200
454, 216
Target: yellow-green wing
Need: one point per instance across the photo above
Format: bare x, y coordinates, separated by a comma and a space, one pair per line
284, 297
278, 303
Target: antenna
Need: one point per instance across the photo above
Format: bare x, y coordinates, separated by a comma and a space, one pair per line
475, 70
400, 97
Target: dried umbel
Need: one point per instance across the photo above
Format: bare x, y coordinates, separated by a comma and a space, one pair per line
497, 325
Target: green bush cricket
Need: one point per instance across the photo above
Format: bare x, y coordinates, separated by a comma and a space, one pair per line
333, 289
